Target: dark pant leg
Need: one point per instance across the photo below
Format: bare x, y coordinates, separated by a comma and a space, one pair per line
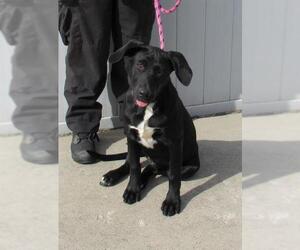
86, 61
132, 19
34, 86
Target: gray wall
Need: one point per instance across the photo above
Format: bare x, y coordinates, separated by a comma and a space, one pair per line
271, 56
208, 33
6, 104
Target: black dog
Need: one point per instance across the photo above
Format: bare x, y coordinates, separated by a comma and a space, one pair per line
157, 124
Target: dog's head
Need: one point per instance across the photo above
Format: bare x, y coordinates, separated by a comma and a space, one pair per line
149, 69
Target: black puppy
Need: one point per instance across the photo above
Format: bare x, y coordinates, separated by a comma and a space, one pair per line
156, 123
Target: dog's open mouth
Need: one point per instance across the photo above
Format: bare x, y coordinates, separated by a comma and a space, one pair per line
141, 104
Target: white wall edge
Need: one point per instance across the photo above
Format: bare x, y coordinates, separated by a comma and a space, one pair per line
7, 128
250, 109
215, 108
197, 110
114, 122
106, 123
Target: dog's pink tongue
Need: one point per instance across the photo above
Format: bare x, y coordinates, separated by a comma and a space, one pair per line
141, 104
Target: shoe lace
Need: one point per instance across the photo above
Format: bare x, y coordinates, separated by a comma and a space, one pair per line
93, 136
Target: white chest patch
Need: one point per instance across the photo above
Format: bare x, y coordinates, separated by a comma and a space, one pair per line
145, 132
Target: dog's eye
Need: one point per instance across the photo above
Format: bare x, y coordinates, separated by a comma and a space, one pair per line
140, 67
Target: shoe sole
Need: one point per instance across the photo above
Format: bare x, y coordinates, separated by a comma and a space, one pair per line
45, 161
84, 161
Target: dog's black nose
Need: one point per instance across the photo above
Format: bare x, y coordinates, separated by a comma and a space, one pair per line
143, 94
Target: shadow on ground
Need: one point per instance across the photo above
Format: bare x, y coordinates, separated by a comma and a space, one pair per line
94, 216
219, 160
107, 139
271, 194
264, 161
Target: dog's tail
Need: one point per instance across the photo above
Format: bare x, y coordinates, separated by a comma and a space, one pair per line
113, 157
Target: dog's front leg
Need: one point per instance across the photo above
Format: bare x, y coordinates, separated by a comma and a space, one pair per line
171, 204
132, 193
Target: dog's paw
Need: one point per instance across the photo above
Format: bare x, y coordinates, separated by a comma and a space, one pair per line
109, 179
171, 207
131, 196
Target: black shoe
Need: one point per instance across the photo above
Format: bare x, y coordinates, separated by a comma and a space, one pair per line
40, 148
81, 144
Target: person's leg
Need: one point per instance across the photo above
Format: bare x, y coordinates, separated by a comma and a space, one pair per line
34, 86
132, 19
88, 37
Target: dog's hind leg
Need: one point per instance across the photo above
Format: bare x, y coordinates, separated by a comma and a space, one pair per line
190, 168
113, 177
188, 171
150, 171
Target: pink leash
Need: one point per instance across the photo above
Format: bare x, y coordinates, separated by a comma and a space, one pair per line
159, 9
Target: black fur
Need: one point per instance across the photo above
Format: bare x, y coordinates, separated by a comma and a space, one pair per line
176, 153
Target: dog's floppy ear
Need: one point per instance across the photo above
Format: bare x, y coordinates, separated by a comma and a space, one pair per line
120, 53
182, 69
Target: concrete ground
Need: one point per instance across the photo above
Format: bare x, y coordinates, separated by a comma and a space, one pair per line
271, 187
28, 201
94, 217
